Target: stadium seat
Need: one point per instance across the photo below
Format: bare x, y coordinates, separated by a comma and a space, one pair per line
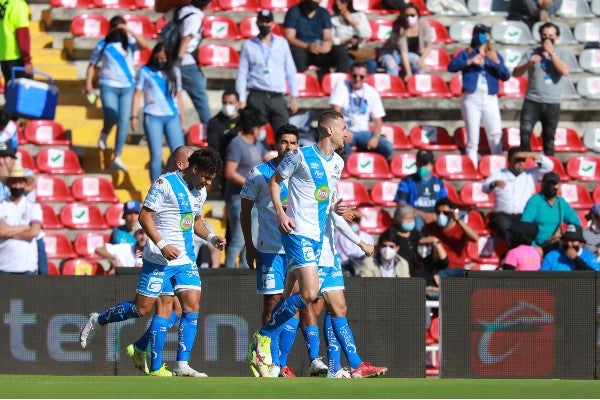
486, 250
430, 137
424, 85
248, 28
71, 4
574, 9
27, 160
197, 136
437, 60
568, 91
49, 218
52, 188
455, 167
141, 25
141, 57
596, 194
453, 194
472, 195
439, 33
239, 5
81, 266
120, 4
277, 5
589, 87
423, 10
354, 193
370, 7
53, 268
144, 4
487, 7
368, 166
566, 34
460, 138
220, 27
403, 164
461, 31
374, 220
511, 137
46, 132
567, 139
584, 168
160, 23
82, 216
591, 139
455, 85
512, 32
388, 85
93, 189
589, 60
381, 29
576, 195
396, 135
89, 25
513, 87
114, 215
384, 192
87, 242
308, 85
587, 32
57, 161
58, 245
331, 79
490, 163
214, 55
475, 220
511, 56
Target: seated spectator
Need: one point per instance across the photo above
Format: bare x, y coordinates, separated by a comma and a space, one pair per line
591, 234
532, 11
9, 131
512, 187
125, 254
571, 255
308, 31
126, 232
360, 102
421, 190
523, 257
385, 263
408, 45
548, 211
351, 256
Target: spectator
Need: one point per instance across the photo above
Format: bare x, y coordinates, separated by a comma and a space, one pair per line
360, 102
351, 256
572, 255
481, 68
126, 232
114, 54
224, 125
9, 131
266, 64
591, 234
15, 42
545, 68
125, 254
512, 187
308, 31
386, 263
408, 45
20, 224
532, 11
186, 57
352, 29
421, 190
243, 153
8, 158
160, 87
397, 5
548, 211
523, 256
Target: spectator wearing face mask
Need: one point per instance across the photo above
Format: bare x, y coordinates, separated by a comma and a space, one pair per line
591, 234
351, 256
386, 262
572, 255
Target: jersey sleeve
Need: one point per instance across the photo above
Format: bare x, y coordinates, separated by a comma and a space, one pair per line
141, 78
95, 57
157, 194
252, 186
289, 164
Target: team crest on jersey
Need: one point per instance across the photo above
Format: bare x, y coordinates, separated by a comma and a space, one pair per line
322, 193
186, 222
314, 165
436, 187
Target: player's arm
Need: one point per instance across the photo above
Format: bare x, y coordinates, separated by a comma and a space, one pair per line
202, 231
285, 223
246, 222
168, 251
342, 226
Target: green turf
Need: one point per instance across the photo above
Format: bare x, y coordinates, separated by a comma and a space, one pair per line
19, 386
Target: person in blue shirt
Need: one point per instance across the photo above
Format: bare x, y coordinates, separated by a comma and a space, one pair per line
126, 232
572, 255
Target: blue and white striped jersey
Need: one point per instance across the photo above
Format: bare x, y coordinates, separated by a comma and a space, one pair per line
158, 100
117, 64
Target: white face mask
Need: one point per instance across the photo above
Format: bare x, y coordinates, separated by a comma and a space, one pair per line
229, 110
262, 134
387, 253
412, 20
354, 228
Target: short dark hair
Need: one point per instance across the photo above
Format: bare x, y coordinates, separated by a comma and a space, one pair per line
548, 25
358, 64
207, 160
200, 3
389, 235
250, 118
4, 118
287, 129
328, 115
115, 21
512, 151
445, 201
231, 92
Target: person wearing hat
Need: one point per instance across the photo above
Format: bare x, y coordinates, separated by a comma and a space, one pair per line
481, 67
125, 233
549, 210
571, 256
422, 190
591, 234
20, 225
266, 64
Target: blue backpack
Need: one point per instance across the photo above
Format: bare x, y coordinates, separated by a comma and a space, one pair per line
170, 35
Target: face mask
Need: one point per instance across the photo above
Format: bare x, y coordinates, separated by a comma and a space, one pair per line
309, 6
408, 226
17, 192
264, 30
412, 20
387, 253
424, 172
549, 191
229, 110
481, 38
161, 65
355, 228
262, 134
442, 220
423, 250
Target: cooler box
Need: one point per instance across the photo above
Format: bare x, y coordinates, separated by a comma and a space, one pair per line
29, 98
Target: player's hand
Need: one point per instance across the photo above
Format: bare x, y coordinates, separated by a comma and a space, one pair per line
170, 252
218, 242
571, 252
368, 249
340, 207
251, 255
286, 225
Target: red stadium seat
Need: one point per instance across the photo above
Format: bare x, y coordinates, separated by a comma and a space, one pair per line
220, 27
141, 57
368, 165
248, 28
384, 192
472, 195
52, 188
381, 29
370, 7
460, 138
388, 85
568, 140
576, 195
439, 33
114, 215
308, 85
453, 194
354, 193
87, 242
46, 132
485, 250
89, 25
430, 137
82, 216
71, 3
558, 168
26, 160
218, 56
423, 10
456, 167
475, 220
511, 137
53, 268
330, 79
490, 163
81, 266
456, 85
403, 164
424, 85
397, 137
197, 136
58, 161
239, 5
144, 4
437, 60
513, 87
141, 25
58, 245
121, 4
596, 194
584, 168
94, 189
277, 5
49, 218
160, 23
374, 220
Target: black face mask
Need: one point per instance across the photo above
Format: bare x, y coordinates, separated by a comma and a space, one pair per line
515, 171
17, 192
549, 191
551, 40
264, 30
309, 6
160, 65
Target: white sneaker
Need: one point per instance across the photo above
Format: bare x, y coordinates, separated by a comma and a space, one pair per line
318, 368
102, 141
88, 331
274, 371
118, 164
188, 371
341, 373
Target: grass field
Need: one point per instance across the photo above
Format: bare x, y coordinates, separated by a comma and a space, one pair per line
20, 386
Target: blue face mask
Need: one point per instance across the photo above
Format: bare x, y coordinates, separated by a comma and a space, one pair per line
424, 172
408, 226
442, 220
482, 38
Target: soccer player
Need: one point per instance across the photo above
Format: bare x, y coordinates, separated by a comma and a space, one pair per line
170, 215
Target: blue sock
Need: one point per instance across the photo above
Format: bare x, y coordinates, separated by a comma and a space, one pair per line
286, 339
158, 336
275, 346
344, 335
144, 340
282, 312
187, 334
173, 319
311, 337
119, 312
334, 362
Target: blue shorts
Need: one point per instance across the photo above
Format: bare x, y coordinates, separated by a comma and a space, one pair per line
331, 278
300, 250
181, 277
270, 273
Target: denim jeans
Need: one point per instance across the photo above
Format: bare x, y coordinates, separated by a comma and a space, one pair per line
236, 245
360, 139
116, 106
155, 127
391, 62
548, 115
42, 257
194, 83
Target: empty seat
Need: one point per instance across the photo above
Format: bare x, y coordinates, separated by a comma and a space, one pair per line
576, 195
89, 25
475, 220
453, 194
197, 136
248, 28
511, 137
49, 218
558, 168
26, 160
513, 87
331, 79
141, 24
591, 139
462, 31
144, 4
587, 32
308, 85
490, 163
403, 164
396, 135
455, 167
589, 87
487, 7
589, 60
114, 215
368, 165
585, 168
486, 250
220, 27
423, 10
456, 7
72, 3
213, 55
121, 4
86, 243
512, 32
141, 56
46, 132
92, 188
471, 194
430, 137
82, 216
574, 9
511, 56
423, 85
455, 85
460, 138
437, 60
566, 34
388, 85
52, 188
239, 5
439, 33
383, 193
374, 220
567, 139
370, 7
58, 245
81, 266
58, 161
596, 7
568, 91
381, 29
354, 193
278, 5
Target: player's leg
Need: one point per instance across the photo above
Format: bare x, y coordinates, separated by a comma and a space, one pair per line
310, 331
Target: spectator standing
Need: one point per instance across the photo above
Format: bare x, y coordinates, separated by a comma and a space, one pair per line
408, 45
591, 234
224, 125
114, 55
308, 31
15, 42
545, 68
126, 232
572, 255
386, 263
481, 67
9, 131
360, 102
512, 187
522, 256
266, 64
351, 256
532, 11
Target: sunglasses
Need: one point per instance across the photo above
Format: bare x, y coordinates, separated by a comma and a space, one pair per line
448, 213
520, 159
357, 76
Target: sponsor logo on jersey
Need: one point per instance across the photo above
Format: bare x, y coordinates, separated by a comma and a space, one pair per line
186, 222
322, 193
